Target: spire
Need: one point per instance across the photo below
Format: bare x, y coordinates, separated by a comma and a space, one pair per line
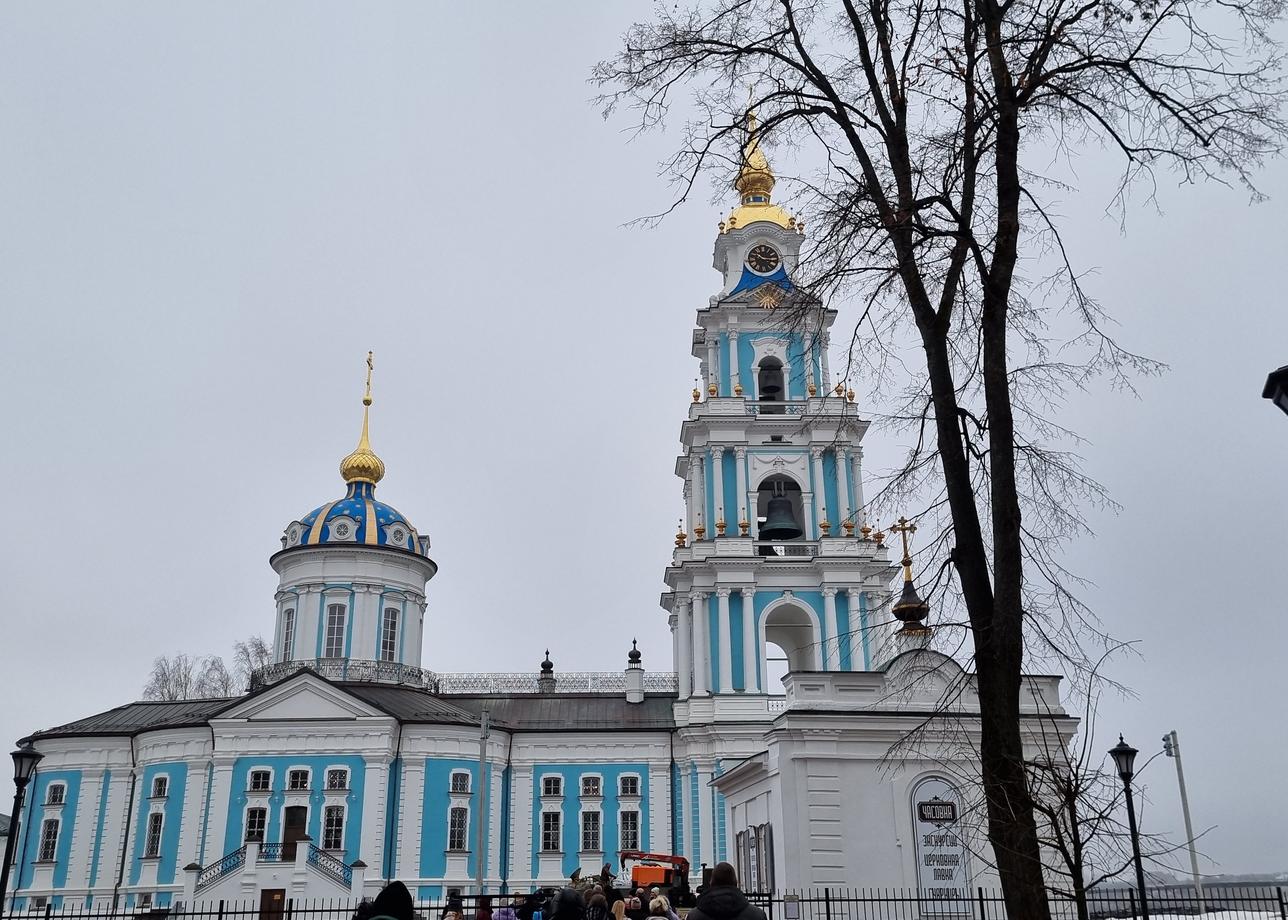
909, 609
755, 183
363, 465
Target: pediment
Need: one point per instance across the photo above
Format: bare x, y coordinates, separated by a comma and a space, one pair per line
303, 696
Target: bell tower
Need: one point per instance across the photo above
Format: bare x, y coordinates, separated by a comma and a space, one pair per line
775, 567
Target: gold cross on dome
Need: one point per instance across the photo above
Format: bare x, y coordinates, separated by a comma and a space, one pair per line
371, 365
905, 528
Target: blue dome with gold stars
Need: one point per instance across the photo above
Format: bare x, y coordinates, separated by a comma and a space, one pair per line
357, 518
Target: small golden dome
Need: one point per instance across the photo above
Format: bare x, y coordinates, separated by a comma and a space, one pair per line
755, 184
363, 465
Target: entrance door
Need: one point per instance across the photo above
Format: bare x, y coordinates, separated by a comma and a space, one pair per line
272, 903
293, 823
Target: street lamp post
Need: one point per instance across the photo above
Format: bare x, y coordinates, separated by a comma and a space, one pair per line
24, 765
1124, 756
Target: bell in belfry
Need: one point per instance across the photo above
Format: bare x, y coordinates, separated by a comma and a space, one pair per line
780, 522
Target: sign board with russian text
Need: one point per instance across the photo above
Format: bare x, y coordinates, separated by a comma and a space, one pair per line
943, 868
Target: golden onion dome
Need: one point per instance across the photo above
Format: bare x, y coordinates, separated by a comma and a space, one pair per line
755, 185
363, 465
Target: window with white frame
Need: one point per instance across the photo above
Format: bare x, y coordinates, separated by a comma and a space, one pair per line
550, 842
389, 635
145, 901
160, 786
34, 904
591, 786
337, 778
152, 843
460, 781
458, 823
56, 794
590, 839
288, 633
334, 631
297, 780
333, 827
552, 785
260, 780
630, 827
48, 840
629, 785
256, 819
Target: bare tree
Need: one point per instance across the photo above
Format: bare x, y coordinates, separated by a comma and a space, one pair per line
184, 677
926, 127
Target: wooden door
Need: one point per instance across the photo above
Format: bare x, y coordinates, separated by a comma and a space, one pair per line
293, 824
272, 903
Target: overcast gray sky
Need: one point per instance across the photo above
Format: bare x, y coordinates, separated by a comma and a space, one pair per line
208, 214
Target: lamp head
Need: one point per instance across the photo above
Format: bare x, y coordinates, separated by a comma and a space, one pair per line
1124, 756
24, 764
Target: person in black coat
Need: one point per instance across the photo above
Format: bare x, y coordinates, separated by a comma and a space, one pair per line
721, 900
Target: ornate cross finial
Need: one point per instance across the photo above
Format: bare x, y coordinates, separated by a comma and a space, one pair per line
904, 529
371, 364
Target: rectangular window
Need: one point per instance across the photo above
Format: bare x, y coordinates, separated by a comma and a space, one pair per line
460, 782
160, 787
629, 785
552, 785
590, 785
590, 831
337, 779
152, 847
550, 842
630, 830
288, 634
297, 780
145, 901
333, 827
334, 631
256, 818
56, 795
260, 780
389, 635
48, 840
458, 822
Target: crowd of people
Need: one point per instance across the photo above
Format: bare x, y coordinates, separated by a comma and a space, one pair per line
720, 899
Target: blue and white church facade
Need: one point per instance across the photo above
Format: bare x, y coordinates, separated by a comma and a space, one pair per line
349, 762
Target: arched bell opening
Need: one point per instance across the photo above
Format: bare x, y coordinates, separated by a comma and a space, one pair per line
780, 512
791, 644
771, 386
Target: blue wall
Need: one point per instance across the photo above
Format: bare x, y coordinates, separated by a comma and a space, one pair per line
36, 813
276, 800
570, 829
435, 804
830, 495
170, 826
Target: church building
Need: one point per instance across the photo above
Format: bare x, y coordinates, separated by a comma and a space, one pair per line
350, 761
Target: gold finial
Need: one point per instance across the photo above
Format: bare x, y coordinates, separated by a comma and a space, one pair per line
905, 528
363, 465
681, 537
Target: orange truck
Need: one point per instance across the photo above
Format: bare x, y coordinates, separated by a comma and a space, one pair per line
660, 869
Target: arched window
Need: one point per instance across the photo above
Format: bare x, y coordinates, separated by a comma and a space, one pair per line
770, 386
780, 514
793, 632
288, 634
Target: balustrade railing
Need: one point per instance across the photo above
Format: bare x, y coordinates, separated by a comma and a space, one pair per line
270, 852
226, 866
333, 868
775, 407
342, 669
792, 550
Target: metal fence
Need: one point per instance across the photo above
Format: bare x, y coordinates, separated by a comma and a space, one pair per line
1220, 903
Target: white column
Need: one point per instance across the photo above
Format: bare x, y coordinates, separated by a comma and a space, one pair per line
717, 483
375, 792
816, 453
701, 654
713, 369
750, 654
684, 659
856, 476
700, 495
706, 816
842, 489
216, 825
856, 629
827, 373
733, 360
831, 646
688, 500
745, 513
725, 681
411, 794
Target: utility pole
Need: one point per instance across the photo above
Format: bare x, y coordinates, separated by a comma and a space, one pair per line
481, 821
1172, 747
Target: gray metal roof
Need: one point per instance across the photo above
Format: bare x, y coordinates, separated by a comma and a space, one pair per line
573, 711
144, 715
410, 704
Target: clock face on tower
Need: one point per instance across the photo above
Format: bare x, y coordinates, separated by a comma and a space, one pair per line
762, 259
